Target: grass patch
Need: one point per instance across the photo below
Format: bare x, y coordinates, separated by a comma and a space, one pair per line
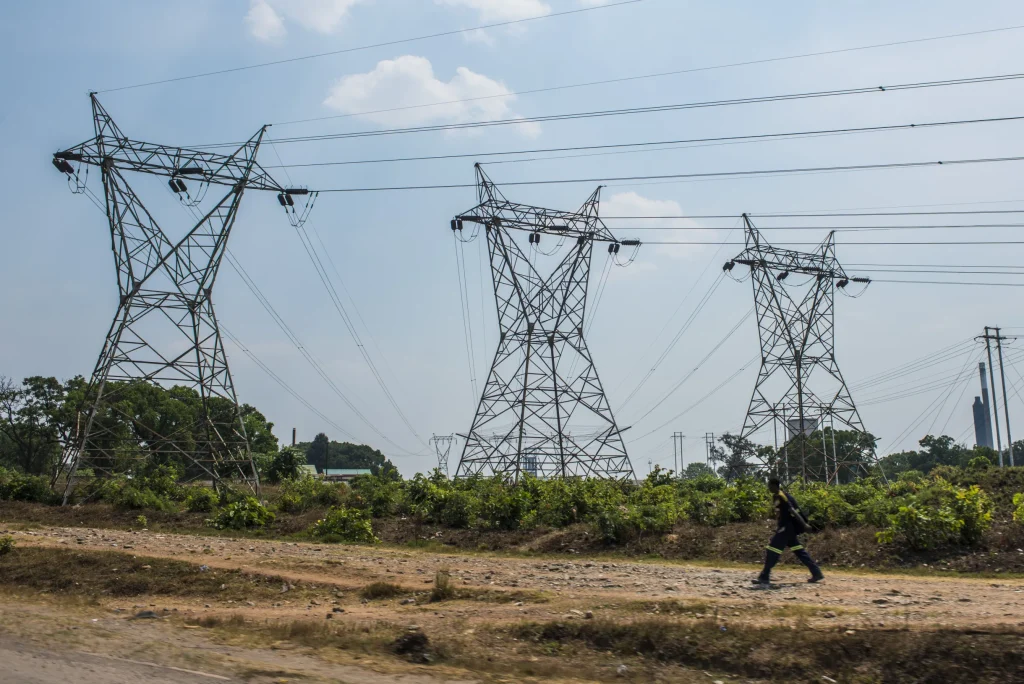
375, 637
117, 574
381, 590
796, 654
443, 589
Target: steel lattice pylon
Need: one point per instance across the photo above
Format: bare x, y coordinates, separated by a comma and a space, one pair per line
796, 327
165, 330
542, 395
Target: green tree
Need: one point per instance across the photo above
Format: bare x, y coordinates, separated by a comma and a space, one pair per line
736, 457
317, 452
695, 470
33, 423
285, 465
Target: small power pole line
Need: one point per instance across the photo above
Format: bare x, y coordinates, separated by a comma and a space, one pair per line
443, 446
993, 333
677, 451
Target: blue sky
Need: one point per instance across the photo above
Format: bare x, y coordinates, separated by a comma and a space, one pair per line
394, 252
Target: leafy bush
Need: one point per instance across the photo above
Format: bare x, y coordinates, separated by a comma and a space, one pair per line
344, 524
141, 521
940, 514
381, 495
919, 529
307, 492
246, 514
17, 486
201, 500
6, 545
1018, 508
285, 465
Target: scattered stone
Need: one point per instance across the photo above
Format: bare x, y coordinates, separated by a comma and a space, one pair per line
589, 615
146, 615
407, 602
828, 614
621, 670
337, 610
204, 568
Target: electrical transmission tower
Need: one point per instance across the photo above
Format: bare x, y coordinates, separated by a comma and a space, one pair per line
443, 447
542, 397
795, 322
165, 331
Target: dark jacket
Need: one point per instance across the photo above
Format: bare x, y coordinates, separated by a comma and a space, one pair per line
787, 512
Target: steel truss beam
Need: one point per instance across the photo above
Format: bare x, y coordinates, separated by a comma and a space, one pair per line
797, 332
537, 412
165, 330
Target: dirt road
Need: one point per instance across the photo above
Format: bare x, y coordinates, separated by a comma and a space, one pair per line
577, 583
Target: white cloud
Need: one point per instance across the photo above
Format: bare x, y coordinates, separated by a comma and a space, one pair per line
410, 80
632, 204
263, 22
502, 10
266, 17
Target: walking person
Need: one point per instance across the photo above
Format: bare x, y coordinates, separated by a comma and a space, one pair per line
790, 525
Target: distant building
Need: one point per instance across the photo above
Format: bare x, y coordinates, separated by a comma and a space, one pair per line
308, 469
345, 474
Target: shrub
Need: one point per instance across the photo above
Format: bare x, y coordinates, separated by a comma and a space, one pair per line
285, 465
382, 496
921, 530
307, 492
1018, 508
344, 524
141, 521
128, 494
824, 506
201, 500
246, 514
16, 486
973, 509
6, 545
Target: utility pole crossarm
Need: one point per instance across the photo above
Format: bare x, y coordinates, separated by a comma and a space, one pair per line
172, 162
495, 210
111, 150
822, 263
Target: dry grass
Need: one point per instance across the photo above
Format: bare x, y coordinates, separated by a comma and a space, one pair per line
443, 589
794, 653
381, 590
119, 574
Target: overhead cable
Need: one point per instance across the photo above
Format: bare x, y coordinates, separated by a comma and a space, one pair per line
601, 113
399, 41
685, 176
676, 72
684, 143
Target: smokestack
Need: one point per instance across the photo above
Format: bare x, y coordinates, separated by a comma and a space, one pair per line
293, 433
984, 437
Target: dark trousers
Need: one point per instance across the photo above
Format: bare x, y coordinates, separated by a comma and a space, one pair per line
785, 538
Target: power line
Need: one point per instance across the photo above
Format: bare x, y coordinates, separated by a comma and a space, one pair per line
686, 142
683, 176
400, 41
547, 118
838, 229
661, 74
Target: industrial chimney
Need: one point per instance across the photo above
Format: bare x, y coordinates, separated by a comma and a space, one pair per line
983, 413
